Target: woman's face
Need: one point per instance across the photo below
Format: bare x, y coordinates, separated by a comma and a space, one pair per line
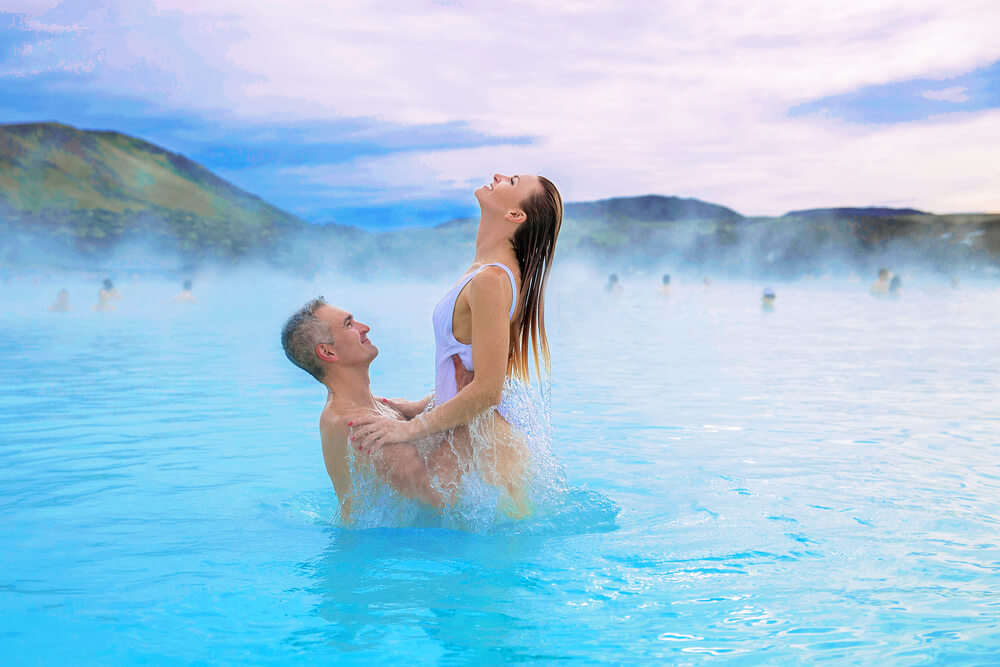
503, 196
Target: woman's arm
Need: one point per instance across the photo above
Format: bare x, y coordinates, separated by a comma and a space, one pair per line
401, 466
489, 296
410, 409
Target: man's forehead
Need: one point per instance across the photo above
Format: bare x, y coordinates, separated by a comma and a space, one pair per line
332, 314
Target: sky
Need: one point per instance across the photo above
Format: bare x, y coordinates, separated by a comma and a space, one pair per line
384, 114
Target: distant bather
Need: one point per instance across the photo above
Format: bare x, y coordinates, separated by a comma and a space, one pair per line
61, 304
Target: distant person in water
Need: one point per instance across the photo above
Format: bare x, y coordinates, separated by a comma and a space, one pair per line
106, 295
895, 286
185, 296
767, 300
613, 287
329, 344
881, 285
110, 291
706, 283
665, 287
954, 282
61, 304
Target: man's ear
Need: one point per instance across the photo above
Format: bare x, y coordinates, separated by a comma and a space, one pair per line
326, 352
517, 216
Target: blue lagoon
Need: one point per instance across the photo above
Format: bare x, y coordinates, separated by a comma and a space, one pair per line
817, 482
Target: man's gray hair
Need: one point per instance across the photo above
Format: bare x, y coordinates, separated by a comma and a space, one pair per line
302, 333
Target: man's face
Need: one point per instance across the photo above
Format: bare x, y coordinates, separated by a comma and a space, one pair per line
350, 337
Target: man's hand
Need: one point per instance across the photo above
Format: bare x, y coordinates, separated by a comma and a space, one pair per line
462, 376
409, 409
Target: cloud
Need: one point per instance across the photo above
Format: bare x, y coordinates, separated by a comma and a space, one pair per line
956, 94
828, 162
687, 98
29, 7
54, 28
916, 99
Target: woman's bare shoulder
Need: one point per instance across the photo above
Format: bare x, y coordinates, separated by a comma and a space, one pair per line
493, 278
491, 285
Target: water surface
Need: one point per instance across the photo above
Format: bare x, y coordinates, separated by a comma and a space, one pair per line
818, 482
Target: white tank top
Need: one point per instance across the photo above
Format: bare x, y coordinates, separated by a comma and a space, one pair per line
444, 337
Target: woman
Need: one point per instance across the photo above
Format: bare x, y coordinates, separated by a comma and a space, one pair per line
491, 319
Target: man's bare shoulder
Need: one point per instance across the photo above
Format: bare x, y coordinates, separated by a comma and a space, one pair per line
333, 432
332, 427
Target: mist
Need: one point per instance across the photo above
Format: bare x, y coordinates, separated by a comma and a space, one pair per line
150, 279
797, 246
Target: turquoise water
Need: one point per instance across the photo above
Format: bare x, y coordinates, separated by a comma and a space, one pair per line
818, 482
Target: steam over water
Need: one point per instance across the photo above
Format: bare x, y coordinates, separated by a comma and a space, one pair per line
820, 481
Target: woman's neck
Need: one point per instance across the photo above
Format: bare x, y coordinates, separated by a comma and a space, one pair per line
493, 245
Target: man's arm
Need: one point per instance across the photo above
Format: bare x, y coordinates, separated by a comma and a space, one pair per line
401, 466
333, 435
404, 469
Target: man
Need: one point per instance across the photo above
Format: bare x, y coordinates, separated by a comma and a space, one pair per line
106, 295
186, 296
665, 287
333, 347
613, 287
881, 286
767, 300
61, 304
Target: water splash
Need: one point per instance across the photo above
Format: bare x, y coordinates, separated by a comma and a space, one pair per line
503, 470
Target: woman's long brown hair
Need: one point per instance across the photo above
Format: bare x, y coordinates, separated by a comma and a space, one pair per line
534, 244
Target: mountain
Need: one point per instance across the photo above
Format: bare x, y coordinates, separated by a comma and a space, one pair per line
861, 237
92, 189
651, 208
66, 193
861, 213
666, 233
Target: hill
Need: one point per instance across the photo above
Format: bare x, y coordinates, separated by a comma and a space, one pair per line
651, 208
92, 189
92, 192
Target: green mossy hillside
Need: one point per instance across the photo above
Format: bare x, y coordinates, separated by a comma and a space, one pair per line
90, 189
